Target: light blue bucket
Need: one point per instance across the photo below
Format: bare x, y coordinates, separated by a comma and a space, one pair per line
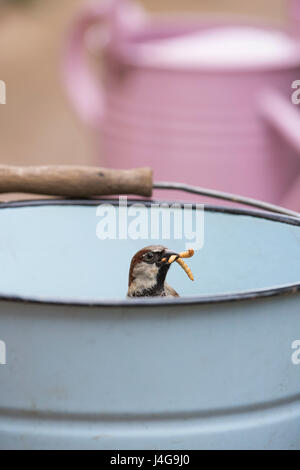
86, 368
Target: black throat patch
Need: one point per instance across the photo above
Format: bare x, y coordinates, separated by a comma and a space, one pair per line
158, 288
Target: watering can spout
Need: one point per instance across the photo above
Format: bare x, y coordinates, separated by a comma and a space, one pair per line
284, 117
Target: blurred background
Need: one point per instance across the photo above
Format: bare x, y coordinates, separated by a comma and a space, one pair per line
38, 125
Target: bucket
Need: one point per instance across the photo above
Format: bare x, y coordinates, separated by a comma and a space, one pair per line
87, 368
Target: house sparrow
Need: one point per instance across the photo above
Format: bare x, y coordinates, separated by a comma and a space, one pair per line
148, 270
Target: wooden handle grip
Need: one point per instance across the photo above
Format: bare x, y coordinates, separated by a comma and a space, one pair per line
75, 181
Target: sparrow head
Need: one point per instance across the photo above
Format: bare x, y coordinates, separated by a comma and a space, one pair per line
148, 270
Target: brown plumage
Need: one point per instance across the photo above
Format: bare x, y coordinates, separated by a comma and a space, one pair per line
148, 270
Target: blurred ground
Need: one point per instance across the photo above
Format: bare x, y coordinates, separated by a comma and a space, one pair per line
274, 9
38, 125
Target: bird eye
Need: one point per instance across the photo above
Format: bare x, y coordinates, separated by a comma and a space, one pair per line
149, 256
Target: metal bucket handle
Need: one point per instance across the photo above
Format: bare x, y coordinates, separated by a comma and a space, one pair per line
88, 181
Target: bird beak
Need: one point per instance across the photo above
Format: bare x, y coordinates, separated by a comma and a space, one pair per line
169, 257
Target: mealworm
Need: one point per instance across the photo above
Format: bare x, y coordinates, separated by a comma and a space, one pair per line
172, 258
187, 254
185, 268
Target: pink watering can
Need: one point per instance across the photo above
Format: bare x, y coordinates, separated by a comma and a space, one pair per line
199, 100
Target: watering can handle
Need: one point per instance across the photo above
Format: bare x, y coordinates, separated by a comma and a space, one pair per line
120, 18
82, 86
88, 181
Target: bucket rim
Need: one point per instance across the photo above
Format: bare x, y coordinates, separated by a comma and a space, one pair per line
252, 294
